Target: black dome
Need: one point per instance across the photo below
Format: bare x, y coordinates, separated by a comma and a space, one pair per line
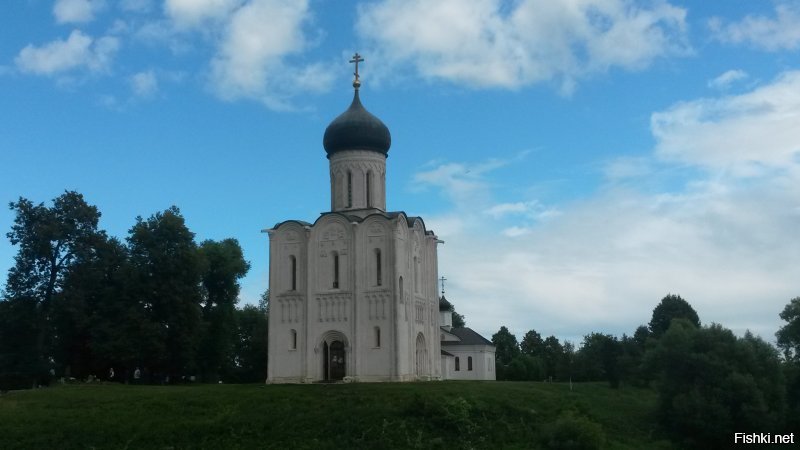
445, 305
356, 129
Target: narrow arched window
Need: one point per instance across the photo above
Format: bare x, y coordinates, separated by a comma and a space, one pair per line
369, 189
293, 268
293, 339
378, 268
469, 363
349, 189
400, 282
377, 336
416, 274
335, 270
458, 364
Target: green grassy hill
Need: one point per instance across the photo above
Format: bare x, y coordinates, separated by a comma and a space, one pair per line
448, 415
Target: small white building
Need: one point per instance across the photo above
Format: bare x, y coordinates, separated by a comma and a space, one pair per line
353, 295
466, 355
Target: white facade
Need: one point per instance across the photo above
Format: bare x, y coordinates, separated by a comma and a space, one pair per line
353, 295
468, 362
466, 355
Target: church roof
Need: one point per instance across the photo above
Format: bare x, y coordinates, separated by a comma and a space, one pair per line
356, 129
392, 215
444, 353
445, 305
468, 336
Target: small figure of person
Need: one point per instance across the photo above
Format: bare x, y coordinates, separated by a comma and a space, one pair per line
137, 374
111, 374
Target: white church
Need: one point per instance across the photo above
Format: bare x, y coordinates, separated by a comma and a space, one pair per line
354, 294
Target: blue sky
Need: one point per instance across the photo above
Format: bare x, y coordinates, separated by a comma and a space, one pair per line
581, 159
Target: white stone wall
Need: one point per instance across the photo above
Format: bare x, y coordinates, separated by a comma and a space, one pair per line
483, 362
309, 299
352, 193
288, 302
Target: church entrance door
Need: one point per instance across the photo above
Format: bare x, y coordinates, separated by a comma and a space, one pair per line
333, 363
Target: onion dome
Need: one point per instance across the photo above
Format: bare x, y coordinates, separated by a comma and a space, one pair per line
444, 304
356, 128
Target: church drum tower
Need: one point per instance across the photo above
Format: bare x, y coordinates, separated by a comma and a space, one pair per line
353, 295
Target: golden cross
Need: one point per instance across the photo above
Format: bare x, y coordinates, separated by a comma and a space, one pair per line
443, 279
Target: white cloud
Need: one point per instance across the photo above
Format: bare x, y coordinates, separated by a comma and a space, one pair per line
725, 80
489, 43
251, 59
725, 243
779, 33
604, 263
144, 84
76, 11
191, 13
623, 168
78, 51
745, 134
503, 209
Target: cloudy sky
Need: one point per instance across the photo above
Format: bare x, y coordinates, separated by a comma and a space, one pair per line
580, 158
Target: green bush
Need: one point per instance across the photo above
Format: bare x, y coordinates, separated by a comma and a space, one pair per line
571, 431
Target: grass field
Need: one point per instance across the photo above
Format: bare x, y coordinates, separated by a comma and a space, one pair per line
448, 415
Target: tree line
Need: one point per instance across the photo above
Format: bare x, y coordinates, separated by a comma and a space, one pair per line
710, 382
78, 302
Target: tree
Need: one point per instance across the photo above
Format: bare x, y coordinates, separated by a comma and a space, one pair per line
223, 265
506, 346
252, 341
532, 344
789, 334
19, 361
599, 358
166, 277
50, 239
711, 383
553, 353
632, 351
671, 307
458, 319
564, 366
87, 311
789, 343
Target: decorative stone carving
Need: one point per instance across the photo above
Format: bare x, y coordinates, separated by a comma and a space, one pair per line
333, 307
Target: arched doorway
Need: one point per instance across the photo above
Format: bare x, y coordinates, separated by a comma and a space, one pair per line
333, 361
333, 348
422, 356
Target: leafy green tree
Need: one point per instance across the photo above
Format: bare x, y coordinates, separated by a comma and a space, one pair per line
49, 239
167, 277
251, 348
223, 265
599, 358
458, 320
506, 346
516, 370
86, 307
671, 307
711, 384
632, 352
553, 354
19, 361
789, 334
564, 369
532, 344
789, 343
